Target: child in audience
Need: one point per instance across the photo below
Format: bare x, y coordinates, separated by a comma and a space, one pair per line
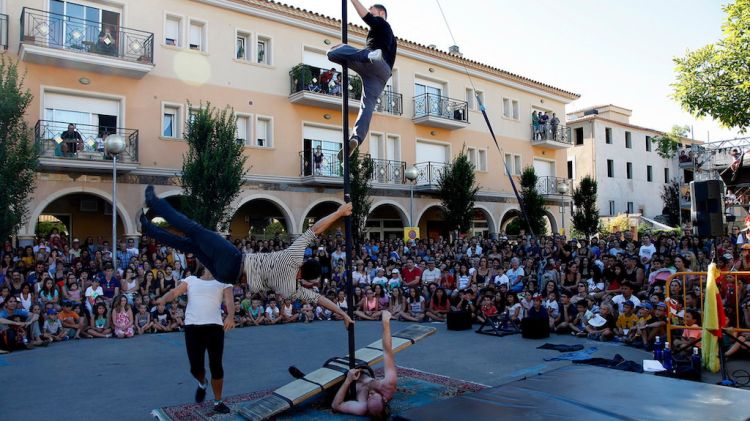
143, 320
581, 319
256, 313
488, 309
625, 321
287, 311
99, 325
53, 329
272, 313
685, 343
306, 315
162, 320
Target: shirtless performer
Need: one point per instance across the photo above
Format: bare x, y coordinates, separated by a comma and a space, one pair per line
373, 395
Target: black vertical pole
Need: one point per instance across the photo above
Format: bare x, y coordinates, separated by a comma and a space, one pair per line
347, 185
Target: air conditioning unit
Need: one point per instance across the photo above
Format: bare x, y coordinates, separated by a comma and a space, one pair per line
89, 205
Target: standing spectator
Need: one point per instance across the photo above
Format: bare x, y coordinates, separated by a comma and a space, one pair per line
318, 162
122, 317
543, 126
326, 80
554, 122
534, 125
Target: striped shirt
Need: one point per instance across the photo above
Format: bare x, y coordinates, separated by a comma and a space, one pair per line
278, 271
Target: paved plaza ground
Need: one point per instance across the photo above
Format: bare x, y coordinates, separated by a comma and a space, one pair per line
125, 379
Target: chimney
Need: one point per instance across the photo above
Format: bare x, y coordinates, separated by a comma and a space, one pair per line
453, 49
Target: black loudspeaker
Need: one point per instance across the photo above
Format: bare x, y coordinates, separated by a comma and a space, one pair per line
459, 320
707, 208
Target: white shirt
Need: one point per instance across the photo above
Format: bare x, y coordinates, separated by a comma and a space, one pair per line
501, 279
272, 313
647, 251
620, 299
431, 275
204, 301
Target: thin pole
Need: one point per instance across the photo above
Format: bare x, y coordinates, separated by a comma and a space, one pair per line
411, 204
114, 212
347, 187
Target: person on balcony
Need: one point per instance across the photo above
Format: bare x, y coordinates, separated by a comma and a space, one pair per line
72, 140
554, 122
325, 80
543, 125
105, 43
373, 64
534, 125
318, 160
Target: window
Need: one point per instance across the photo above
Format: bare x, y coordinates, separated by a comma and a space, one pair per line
511, 109
579, 136
197, 36
172, 31
241, 46
628, 140
630, 207
480, 101
514, 163
171, 124
264, 132
610, 168
243, 129
470, 99
570, 170
191, 114
263, 50
629, 170
478, 157
612, 209
608, 135
649, 173
666, 175
648, 143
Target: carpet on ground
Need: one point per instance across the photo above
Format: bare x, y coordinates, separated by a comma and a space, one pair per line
415, 388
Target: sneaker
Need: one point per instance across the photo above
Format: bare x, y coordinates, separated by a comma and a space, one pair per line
200, 394
296, 372
353, 145
376, 55
221, 408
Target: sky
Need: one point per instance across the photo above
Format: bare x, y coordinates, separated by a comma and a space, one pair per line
608, 51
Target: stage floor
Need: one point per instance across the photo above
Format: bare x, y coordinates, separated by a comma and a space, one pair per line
592, 393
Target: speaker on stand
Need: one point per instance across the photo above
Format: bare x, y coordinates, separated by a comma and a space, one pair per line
707, 208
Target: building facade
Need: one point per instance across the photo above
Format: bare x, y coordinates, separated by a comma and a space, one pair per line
622, 157
139, 69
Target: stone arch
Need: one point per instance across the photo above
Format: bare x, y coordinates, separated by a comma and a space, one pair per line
129, 223
283, 207
424, 210
508, 216
491, 223
552, 222
315, 203
403, 213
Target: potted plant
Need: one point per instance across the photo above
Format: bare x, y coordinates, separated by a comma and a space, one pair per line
356, 83
301, 77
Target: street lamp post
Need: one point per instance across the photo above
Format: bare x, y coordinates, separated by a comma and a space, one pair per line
114, 145
411, 174
563, 188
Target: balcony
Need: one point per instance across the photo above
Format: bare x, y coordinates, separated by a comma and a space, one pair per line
549, 136
312, 85
58, 151
325, 168
4, 31
63, 41
438, 111
390, 102
548, 186
429, 174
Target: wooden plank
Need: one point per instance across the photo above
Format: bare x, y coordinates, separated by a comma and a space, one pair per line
397, 345
325, 377
265, 408
298, 391
368, 355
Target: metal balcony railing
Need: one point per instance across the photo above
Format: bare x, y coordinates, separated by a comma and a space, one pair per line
55, 140
304, 77
547, 185
429, 172
390, 102
320, 163
548, 132
52, 30
3, 31
432, 105
388, 171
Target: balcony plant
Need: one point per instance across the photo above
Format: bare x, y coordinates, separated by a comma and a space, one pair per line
356, 83
301, 77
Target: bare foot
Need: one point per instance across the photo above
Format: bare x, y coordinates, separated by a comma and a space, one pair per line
386, 316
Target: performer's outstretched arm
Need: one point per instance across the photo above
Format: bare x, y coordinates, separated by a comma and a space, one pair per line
361, 11
330, 305
322, 226
390, 378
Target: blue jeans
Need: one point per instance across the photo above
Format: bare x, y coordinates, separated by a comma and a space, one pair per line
374, 77
215, 252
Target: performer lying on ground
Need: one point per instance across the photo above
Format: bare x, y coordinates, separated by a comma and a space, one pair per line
373, 395
373, 64
277, 271
204, 330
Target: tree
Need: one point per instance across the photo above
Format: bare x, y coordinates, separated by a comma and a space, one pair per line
533, 203
361, 170
715, 79
668, 144
457, 189
18, 155
586, 214
213, 168
670, 195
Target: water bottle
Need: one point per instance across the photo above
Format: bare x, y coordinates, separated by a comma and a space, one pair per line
667, 357
658, 354
695, 360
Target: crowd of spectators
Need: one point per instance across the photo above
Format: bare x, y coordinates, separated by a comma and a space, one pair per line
611, 288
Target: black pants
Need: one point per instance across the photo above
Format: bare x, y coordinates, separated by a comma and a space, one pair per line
198, 340
220, 256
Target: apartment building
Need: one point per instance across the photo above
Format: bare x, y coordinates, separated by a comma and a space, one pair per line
623, 159
139, 69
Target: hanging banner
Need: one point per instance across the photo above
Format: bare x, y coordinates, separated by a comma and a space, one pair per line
411, 233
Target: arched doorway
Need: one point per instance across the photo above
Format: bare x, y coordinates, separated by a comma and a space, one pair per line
432, 223
320, 210
386, 221
551, 223
262, 218
482, 223
510, 223
79, 215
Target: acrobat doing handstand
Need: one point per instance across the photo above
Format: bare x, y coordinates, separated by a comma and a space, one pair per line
277, 271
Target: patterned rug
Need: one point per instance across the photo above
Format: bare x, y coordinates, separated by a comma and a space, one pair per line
415, 388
